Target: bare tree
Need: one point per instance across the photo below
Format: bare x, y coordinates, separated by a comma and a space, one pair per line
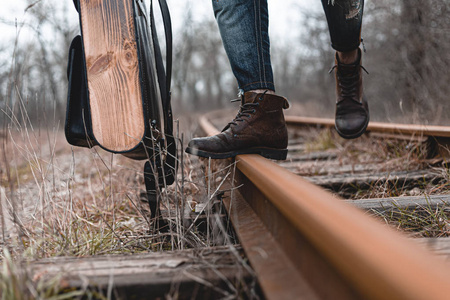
408, 46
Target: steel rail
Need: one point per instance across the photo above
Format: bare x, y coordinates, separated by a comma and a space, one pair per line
337, 251
410, 129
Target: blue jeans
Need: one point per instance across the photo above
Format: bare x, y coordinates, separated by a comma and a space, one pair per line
244, 27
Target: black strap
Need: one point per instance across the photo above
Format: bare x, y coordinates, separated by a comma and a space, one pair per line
168, 33
77, 5
164, 82
164, 74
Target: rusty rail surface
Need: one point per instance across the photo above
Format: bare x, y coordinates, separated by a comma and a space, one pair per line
410, 129
305, 243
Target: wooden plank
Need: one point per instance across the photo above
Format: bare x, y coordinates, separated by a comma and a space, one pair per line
399, 137
313, 156
440, 246
207, 271
113, 73
351, 182
327, 166
395, 203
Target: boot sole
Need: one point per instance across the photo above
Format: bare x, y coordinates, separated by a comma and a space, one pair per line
113, 75
270, 153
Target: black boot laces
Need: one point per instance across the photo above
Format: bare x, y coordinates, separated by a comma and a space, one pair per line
348, 79
245, 111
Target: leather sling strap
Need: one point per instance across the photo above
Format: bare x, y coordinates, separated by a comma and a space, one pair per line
164, 74
164, 81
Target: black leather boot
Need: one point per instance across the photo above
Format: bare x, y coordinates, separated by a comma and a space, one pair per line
352, 111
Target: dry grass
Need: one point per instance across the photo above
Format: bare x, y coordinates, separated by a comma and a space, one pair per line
375, 155
73, 201
56, 200
389, 152
423, 221
324, 140
69, 204
62, 201
389, 155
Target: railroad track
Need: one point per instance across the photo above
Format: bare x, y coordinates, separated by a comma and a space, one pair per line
301, 238
304, 242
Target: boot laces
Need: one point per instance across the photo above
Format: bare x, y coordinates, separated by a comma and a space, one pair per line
348, 79
245, 111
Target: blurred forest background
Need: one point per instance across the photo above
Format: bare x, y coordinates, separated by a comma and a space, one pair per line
408, 58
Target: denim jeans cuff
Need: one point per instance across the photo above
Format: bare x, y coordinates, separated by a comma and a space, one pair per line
258, 86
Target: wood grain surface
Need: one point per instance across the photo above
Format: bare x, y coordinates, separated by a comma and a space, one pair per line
207, 273
113, 73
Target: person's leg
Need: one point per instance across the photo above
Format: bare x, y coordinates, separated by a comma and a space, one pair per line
259, 127
243, 25
344, 19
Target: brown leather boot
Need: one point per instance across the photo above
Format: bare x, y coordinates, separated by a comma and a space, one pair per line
258, 128
352, 111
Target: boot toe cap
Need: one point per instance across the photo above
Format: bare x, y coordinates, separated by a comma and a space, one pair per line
206, 144
351, 122
351, 126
